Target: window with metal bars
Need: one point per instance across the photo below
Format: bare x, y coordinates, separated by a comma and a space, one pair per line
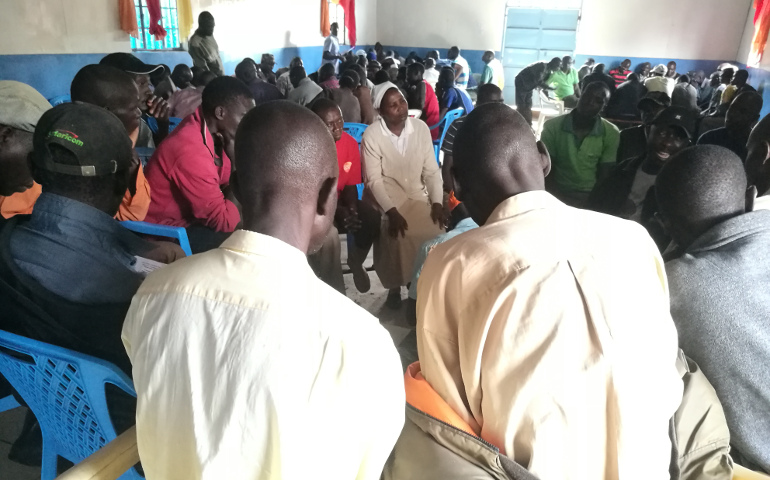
146, 41
337, 14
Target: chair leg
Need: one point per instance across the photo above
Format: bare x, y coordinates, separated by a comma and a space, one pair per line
48, 469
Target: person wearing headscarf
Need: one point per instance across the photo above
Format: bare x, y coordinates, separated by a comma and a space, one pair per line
402, 174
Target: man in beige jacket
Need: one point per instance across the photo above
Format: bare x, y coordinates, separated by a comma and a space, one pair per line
547, 329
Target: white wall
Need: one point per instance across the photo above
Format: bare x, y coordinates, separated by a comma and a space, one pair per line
92, 26
686, 29
683, 29
471, 25
60, 26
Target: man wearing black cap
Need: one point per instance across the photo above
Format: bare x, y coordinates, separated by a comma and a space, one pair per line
625, 193
203, 48
150, 105
70, 269
633, 141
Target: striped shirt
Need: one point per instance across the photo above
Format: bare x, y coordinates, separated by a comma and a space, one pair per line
451, 133
619, 74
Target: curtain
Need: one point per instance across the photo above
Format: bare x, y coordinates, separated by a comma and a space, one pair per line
349, 6
325, 18
761, 30
127, 14
156, 19
185, 16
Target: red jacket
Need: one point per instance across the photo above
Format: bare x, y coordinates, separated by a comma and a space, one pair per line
186, 183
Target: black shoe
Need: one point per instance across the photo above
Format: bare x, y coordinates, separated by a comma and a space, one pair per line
394, 299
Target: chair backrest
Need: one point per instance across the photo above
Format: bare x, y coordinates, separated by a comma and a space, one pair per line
65, 391
146, 228
450, 117
58, 100
355, 130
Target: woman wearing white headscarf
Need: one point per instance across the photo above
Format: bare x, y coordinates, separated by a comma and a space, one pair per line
402, 174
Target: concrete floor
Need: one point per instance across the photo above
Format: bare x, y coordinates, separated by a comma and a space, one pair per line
394, 321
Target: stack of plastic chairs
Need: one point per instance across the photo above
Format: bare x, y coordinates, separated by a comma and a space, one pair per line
65, 391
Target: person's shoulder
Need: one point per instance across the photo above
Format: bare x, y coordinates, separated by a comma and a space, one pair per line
555, 122
348, 141
714, 135
610, 127
421, 128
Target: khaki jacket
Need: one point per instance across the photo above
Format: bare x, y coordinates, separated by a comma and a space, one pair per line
436, 444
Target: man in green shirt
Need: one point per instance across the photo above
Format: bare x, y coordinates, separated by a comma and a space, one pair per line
493, 71
583, 147
566, 83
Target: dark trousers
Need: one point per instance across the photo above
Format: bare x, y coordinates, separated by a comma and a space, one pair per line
202, 238
524, 101
370, 226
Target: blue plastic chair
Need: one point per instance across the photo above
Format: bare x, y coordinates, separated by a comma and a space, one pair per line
355, 130
8, 403
444, 124
65, 391
146, 228
58, 100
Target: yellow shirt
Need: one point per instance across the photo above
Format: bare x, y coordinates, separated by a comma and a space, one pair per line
248, 367
548, 330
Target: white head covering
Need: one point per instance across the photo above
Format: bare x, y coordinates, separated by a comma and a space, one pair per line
660, 69
379, 93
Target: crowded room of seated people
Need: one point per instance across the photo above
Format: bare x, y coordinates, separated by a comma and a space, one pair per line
374, 241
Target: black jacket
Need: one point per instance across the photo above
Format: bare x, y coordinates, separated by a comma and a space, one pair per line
609, 196
31, 311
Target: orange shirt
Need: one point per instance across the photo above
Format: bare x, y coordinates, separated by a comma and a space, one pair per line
132, 208
135, 208
20, 203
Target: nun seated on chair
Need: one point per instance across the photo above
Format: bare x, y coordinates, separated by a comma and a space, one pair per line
402, 174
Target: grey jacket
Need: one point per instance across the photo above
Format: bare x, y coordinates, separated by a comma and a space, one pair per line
430, 449
720, 302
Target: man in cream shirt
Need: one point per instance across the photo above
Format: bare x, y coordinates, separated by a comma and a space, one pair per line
247, 366
547, 329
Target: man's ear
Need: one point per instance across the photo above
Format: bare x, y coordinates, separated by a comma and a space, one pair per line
327, 201
751, 196
545, 158
219, 112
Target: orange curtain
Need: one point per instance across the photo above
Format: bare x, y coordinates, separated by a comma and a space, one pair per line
325, 27
761, 30
127, 14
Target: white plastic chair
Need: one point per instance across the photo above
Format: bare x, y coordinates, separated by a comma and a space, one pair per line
549, 108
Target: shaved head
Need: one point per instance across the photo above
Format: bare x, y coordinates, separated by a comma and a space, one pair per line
699, 188
287, 172
496, 157
757, 164
111, 89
